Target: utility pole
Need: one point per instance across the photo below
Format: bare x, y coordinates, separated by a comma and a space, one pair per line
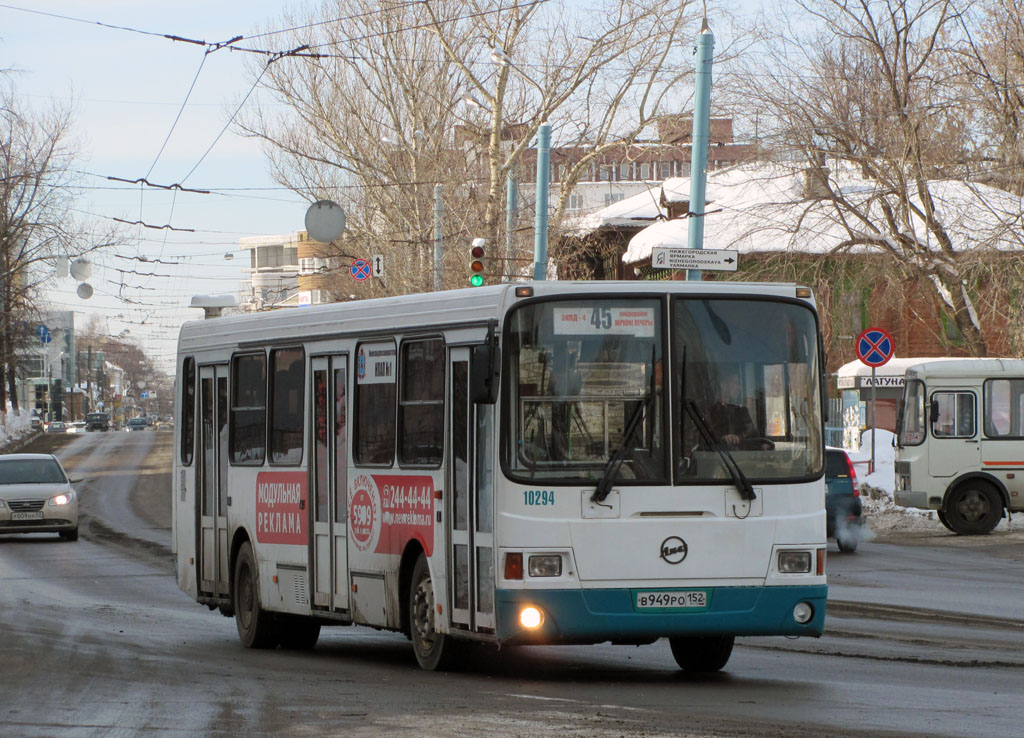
540, 229
699, 142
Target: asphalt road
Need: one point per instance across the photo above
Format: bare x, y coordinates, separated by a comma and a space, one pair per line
921, 639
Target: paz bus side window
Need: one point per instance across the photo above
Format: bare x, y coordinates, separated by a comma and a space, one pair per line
247, 428
955, 416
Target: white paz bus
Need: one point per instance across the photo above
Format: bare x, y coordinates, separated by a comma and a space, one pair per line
531, 463
960, 441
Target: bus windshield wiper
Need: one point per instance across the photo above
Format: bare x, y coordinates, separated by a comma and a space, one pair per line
713, 441
611, 468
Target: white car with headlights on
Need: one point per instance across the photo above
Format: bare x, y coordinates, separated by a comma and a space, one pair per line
36, 496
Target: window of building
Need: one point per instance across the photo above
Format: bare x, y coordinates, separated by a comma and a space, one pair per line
374, 423
247, 430
575, 201
605, 173
955, 416
610, 197
625, 172
188, 410
306, 265
645, 170
287, 388
666, 169
421, 408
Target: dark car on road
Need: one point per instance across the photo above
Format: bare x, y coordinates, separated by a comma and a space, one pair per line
97, 422
842, 500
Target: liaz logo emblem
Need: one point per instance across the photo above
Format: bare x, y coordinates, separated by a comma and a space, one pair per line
673, 550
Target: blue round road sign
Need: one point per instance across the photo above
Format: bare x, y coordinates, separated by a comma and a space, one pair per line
360, 270
875, 346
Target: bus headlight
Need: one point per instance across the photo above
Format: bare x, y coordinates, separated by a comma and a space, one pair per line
803, 613
795, 562
546, 565
531, 617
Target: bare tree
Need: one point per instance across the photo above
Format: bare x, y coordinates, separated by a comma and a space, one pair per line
872, 90
374, 107
37, 193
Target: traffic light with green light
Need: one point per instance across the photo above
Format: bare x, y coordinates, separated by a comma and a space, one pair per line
476, 264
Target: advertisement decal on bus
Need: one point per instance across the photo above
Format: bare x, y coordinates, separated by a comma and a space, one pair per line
387, 510
280, 508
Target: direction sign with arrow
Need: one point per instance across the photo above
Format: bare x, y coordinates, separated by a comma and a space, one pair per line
664, 257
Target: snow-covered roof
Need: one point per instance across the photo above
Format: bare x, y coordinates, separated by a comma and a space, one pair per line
762, 208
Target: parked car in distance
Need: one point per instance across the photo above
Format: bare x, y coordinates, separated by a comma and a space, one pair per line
56, 426
842, 500
137, 424
77, 426
36, 496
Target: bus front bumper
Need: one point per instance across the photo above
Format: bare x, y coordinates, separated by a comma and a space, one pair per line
598, 615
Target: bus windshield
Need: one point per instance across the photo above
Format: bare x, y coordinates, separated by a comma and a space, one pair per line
911, 430
584, 372
748, 375
588, 387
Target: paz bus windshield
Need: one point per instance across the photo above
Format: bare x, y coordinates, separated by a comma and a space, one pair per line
588, 385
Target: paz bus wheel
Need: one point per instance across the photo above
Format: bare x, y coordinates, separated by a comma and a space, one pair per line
973, 509
433, 650
255, 625
702, 653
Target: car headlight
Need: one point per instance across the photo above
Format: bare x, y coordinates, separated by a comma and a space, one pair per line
65, 498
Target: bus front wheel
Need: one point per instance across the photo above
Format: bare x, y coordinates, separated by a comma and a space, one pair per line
433, 650
702, 653
973, 509
255, 625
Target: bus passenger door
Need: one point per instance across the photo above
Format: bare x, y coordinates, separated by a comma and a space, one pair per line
329, 485
470, 502
212, 546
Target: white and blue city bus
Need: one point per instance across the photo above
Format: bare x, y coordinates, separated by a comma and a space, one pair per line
528, 463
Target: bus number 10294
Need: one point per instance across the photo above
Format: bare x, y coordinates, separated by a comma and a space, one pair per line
538, 497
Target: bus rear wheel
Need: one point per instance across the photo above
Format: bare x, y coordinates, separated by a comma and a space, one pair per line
702, 653
255, 625
433, 650
973, 509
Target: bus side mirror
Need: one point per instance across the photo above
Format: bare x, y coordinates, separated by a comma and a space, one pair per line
484, 361
933, 411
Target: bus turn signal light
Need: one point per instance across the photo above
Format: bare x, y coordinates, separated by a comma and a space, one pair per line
513, 566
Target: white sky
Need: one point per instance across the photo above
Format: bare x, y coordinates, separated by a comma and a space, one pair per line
127, 89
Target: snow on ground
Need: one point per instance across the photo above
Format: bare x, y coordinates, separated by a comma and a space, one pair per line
13, 427
882, 516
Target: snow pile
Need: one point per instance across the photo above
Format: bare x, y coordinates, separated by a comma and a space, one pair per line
13, 427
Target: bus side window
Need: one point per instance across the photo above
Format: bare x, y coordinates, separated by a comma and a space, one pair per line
287, 403
188, 410
248, 423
